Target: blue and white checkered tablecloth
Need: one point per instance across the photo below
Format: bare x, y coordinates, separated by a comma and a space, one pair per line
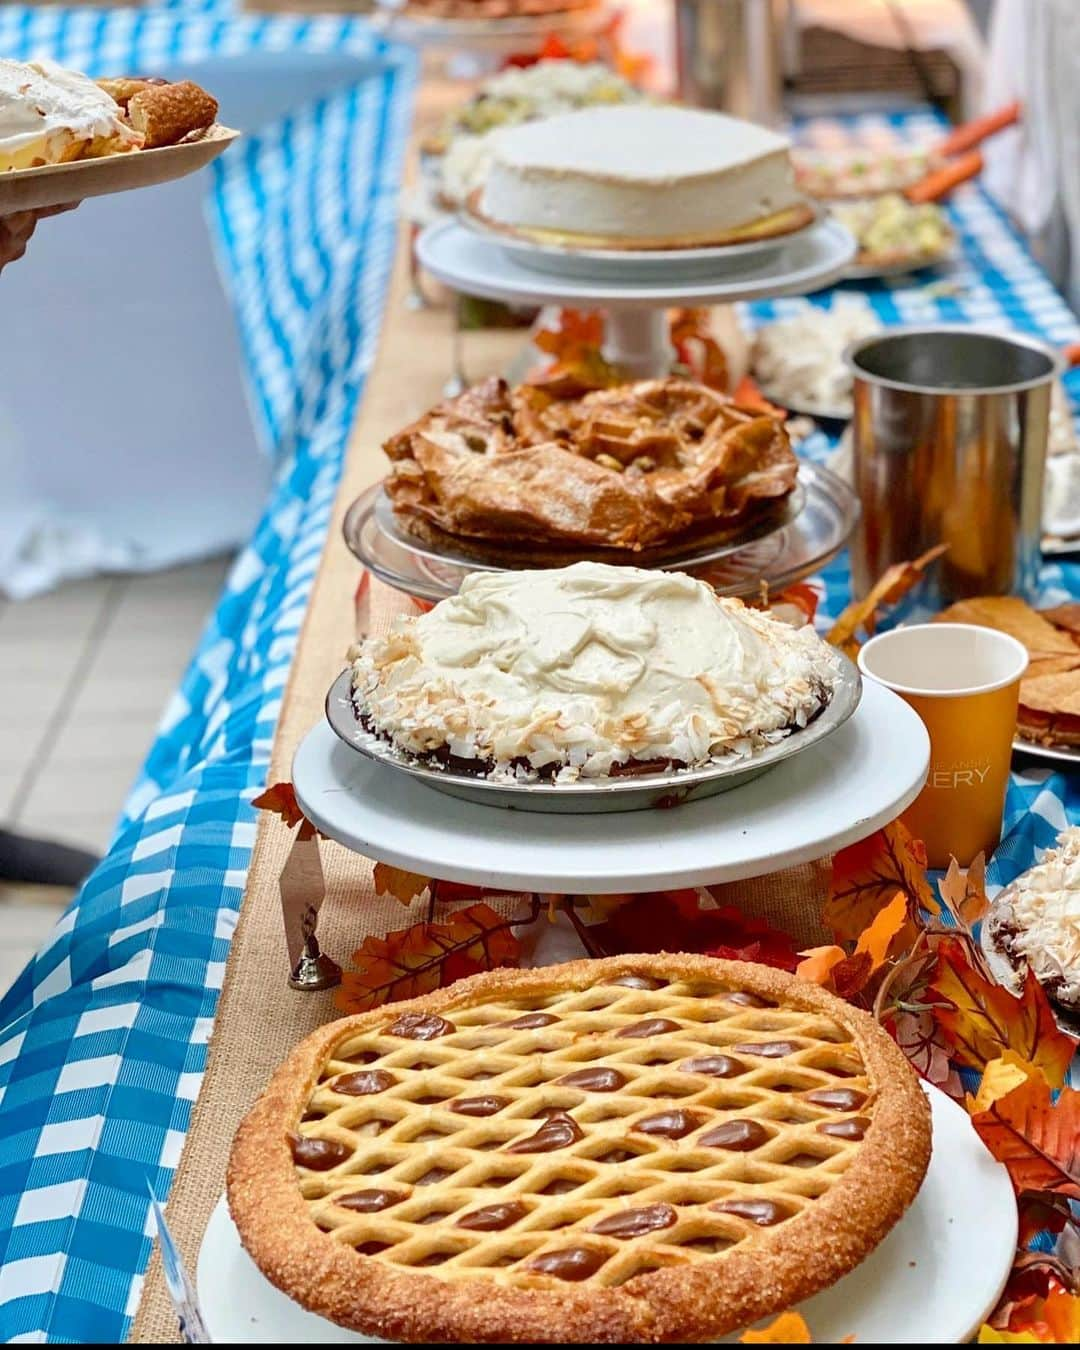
103, 1038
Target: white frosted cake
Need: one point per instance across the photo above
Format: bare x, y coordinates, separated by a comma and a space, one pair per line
639, 173
587, 670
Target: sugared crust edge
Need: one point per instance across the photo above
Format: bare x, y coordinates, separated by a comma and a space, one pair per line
787, 1264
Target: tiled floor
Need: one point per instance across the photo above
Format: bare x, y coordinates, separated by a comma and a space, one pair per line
85, 673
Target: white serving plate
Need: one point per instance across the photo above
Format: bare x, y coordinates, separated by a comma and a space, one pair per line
594, 264
871, 271
478, 265
933, 1280
667, 790
1052, 754
59, 184
838, 791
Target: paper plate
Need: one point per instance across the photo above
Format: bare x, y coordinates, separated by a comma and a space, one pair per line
933, 1280
59, 184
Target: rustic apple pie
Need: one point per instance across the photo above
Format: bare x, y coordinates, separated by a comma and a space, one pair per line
644, 1148
527, 477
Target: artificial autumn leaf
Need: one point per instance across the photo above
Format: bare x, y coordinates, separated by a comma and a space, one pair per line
578, 365
866, 877
1036, 1138
1037, 1305
981, 1020
674, 921
850, 976
1000, 1077
963, 895
748, 396
413, 961
891, 587
919, 1036
789, 1329
800, 598
403, 886
989, 1335
281, 799
697, 349
817, 964
876, 940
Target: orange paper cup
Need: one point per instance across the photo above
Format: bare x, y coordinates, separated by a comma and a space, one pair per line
964, 682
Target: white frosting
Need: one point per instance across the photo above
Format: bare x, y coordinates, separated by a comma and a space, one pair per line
589, 666
800, 360
45, 110
1045, 909
638, 172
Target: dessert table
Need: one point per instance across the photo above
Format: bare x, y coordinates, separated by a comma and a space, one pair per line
105, 1087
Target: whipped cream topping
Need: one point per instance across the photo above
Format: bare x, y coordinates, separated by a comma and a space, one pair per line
582, 668
1043, 907
45, 109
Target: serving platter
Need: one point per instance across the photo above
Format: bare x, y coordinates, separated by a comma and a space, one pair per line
1051, 754
633, 793
880, 271
566, 258
1067, 1020
834, 793
933, 1279
817, 534
61, 184
805, 407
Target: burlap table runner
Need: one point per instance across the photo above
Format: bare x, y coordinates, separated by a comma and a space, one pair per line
259, 1019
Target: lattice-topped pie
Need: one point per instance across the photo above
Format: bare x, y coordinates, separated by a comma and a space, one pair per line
647, 1148
526, 476
585, 672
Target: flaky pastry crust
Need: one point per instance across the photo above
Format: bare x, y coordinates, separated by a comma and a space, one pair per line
644, 466
699, 1298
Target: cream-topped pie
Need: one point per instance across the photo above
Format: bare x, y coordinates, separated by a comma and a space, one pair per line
49, 115
1035, 921
585, 672
642, 176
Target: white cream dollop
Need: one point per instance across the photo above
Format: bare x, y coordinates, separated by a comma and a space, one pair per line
46, 110
1043, 907
585, 667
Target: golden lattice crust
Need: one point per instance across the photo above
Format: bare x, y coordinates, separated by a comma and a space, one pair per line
652, 1129
635, 468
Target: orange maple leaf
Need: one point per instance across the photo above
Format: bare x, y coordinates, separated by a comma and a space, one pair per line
1037, 1139
866, 877
403, 886
817, 964
413, 961
697, 349
891, 587
788, 1329
280, 798
876, 941
982, 1020
963, 895
748, 396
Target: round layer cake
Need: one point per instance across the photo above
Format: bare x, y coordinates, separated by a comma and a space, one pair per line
641, 175
588, 671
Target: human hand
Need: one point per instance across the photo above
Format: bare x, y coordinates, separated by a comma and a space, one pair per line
16, 229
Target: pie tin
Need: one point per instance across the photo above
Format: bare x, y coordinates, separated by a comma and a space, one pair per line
647, 791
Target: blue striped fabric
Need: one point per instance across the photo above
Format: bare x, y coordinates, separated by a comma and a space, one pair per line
104, 1036
103, 1039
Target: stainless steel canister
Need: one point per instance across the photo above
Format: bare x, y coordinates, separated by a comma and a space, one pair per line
728, 56
950, 433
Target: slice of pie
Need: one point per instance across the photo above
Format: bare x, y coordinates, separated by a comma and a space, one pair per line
639, 1149
588, 671
1035, 922
527, 477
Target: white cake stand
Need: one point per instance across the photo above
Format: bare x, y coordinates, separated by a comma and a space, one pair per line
471, 262
832, 794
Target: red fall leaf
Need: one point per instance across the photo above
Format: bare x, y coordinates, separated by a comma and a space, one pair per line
280, 798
